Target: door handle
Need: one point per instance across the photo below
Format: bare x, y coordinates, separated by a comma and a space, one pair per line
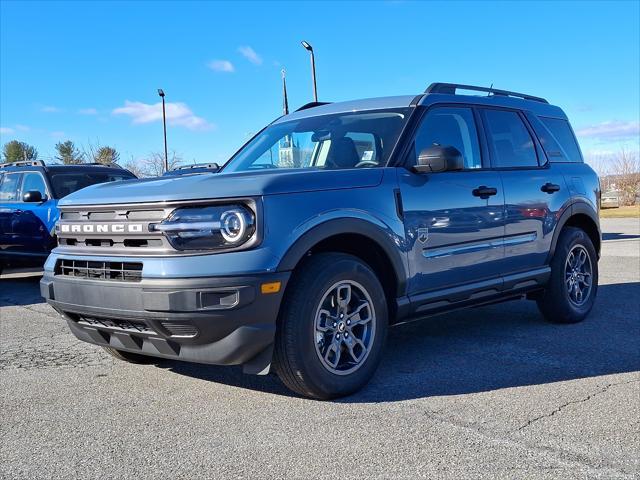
484, 192
550, 187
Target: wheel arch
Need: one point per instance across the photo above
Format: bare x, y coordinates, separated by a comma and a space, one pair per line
369, 242
583, 216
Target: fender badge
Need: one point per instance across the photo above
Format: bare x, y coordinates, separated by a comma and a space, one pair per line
423, 234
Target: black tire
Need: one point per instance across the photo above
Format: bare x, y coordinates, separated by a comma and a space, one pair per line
556, 303
131, 357
297, 358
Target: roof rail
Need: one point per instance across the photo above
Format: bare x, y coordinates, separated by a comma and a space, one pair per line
112, 165
311, 105
450, 88
211, 165
23, 163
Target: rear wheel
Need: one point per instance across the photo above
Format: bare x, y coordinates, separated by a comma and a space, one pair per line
131, 357
573, 285
332, 327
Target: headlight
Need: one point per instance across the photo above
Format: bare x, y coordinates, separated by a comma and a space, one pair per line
207, 228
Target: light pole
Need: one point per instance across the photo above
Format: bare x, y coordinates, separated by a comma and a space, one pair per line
309, 48
164, 123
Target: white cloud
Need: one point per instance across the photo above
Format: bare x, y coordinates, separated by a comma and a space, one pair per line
613, 130
88, 111
250, 54
22, 128
177, 114
221, 66
49, 109
6, 130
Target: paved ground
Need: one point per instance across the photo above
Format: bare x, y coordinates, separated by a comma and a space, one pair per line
489, 393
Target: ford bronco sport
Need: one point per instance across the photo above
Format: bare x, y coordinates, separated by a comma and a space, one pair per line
328, 226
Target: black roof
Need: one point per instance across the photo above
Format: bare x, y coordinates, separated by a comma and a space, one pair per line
84, 167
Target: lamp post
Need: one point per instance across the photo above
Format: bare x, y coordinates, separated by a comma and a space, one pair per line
309, 48
164, 123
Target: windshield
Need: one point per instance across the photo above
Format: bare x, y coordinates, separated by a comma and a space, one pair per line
345, 140
65, 183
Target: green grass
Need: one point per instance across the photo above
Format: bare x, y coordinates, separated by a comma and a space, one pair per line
621, 212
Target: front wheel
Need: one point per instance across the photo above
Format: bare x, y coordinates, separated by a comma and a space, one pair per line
332, 327
573, 285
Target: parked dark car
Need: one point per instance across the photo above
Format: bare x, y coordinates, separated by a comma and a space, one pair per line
331, 224
192, 169
29, 195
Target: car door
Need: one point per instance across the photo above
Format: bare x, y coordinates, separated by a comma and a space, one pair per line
534, 190
453, 219
9, 209
35, 221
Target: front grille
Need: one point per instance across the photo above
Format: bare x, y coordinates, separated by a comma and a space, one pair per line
94, 270
124, 325
181, 329
103, 229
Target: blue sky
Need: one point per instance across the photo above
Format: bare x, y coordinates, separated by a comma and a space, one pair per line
88, 71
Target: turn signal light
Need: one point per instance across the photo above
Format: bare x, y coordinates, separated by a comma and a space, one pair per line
271, 287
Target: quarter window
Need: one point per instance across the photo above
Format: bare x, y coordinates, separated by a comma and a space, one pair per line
509, 139
561, 132
454, 127
9, 187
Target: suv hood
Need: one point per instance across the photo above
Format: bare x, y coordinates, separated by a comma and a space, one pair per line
223, 185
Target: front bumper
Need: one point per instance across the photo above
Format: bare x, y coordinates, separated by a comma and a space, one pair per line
218, 320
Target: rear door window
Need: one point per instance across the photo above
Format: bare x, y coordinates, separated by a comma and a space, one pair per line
9, 187
561, 132
509, 140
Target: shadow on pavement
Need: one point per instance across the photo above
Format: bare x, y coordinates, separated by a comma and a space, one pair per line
619, 236
482, 349
20, 288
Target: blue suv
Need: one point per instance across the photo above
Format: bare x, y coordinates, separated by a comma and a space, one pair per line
29, 195
327, 227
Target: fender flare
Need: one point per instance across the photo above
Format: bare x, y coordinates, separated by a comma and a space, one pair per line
339, 226
575, 208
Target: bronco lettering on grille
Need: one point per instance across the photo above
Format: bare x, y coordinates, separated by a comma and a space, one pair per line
101, 228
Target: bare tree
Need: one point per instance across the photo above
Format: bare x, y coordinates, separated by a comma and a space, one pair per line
153, 164
625, 175
134, 167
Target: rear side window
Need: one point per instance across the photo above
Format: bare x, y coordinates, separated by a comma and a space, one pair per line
510, 142
560, 131
65, 183
9, 187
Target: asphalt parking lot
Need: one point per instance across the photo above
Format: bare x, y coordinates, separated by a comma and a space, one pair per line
493, 392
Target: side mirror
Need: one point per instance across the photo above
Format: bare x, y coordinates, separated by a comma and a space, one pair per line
33, 196
439, 159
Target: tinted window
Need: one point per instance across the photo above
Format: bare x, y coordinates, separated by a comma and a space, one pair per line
561, 131
65, 183
9, 187
453, 127
345, 140
509, 140
33, 181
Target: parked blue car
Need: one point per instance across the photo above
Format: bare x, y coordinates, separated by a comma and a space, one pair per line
29, 195
328, 226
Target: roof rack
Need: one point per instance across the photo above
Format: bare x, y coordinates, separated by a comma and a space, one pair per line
23, 163
311, 105
450, 88
197, 165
